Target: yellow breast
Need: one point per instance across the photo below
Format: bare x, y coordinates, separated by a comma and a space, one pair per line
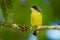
36, 18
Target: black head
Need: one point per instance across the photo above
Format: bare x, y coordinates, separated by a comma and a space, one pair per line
37, 8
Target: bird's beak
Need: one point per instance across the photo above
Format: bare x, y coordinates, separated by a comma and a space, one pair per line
31, 8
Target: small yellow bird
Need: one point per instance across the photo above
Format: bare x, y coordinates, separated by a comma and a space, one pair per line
36, 17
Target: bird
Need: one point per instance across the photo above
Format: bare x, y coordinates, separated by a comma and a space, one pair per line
36, 17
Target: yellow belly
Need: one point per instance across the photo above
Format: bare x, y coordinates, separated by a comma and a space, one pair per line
36, 19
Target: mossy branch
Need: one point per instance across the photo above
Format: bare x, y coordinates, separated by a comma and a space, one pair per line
7, 10
27, 28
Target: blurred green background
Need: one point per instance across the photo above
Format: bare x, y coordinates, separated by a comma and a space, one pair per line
21, 15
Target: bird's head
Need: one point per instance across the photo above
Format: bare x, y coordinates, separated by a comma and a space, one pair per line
36, 8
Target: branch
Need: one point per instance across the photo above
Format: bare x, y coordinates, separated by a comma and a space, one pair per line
27, 28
